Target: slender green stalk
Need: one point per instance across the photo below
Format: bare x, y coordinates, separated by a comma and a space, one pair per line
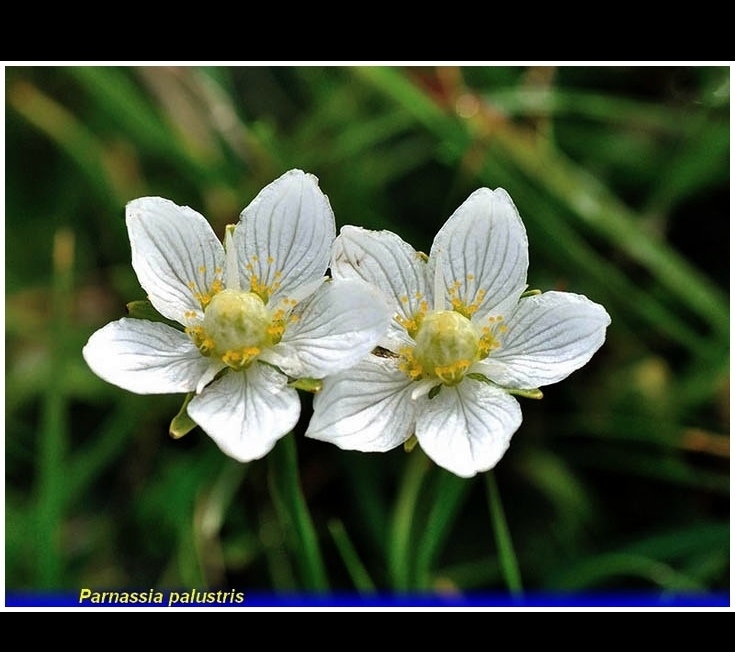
358, 573
277, 560
451, 492
400, 561
506, 552
292, 510
210, 509
50, 482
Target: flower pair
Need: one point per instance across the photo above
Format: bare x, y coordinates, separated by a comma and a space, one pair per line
405, 344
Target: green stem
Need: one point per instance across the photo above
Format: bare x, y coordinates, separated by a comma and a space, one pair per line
358, 573
51, 481
399, 554
451, 492
292, 510
506, 552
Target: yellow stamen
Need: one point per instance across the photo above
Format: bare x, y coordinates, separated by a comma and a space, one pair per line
408, 363
262, 289
452, 373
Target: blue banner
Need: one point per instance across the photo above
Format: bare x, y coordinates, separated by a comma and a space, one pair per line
234, 598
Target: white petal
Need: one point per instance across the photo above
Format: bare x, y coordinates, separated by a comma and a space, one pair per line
548, 337
146, 357
390, 264
467, 428
422, 387
483, 247
285, 235
367, 408
176, 255
247, 412
334, 329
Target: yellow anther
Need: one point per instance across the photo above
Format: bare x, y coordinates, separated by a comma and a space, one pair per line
452, 373
275, 331
271, 260
488, 343
204, 298
463, 308
239, 359
201, 340
411, 324
408, 363
262, 289
489, 335
278, 324
231, 358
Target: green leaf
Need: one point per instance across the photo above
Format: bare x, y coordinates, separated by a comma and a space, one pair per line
401, 548
526, 393
434, 391
293, 511
182, 423
481, 377
506, 552
449, 495
358, 573
530, 293
312, 385
410, 443
599, 569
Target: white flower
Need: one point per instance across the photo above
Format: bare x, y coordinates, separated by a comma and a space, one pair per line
254, 313
461, 341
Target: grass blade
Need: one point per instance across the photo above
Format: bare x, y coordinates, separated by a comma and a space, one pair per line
291, 506
358, 573
506, 552
400, 561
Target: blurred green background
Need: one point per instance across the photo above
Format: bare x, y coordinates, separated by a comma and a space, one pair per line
617, 480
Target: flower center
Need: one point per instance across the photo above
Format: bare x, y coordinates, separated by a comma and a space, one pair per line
235, 328
447, 344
